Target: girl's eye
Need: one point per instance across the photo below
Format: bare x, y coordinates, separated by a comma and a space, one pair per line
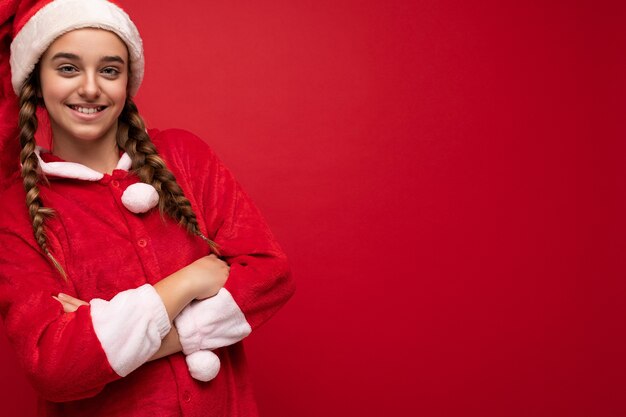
110, 71
66, 69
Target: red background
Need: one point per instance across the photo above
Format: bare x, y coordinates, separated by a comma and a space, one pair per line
447, 178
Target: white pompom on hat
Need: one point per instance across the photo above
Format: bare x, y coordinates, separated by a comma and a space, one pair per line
38, 23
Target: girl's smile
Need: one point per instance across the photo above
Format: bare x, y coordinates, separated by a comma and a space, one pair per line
86, 108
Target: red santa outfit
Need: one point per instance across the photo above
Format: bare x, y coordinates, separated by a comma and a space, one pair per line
114, 247
112, 254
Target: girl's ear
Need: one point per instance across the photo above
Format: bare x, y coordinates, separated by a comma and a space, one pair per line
36, 83
40, 101
130, 77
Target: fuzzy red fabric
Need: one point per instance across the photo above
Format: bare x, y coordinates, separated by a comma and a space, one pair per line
106, 249
9, 110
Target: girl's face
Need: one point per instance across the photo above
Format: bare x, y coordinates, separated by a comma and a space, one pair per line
84, 78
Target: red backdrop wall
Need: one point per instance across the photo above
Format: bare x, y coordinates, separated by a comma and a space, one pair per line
447, 178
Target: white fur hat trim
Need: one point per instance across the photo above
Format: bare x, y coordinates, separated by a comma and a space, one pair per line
140, 197
62, 16
203, 365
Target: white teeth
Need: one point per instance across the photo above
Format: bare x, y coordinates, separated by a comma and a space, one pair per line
87, 110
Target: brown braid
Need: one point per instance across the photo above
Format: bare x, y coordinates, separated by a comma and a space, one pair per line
151, 169
30, 166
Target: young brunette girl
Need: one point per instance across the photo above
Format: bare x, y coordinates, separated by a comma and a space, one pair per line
132, 264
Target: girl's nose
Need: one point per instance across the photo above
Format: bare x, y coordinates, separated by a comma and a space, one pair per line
89, 87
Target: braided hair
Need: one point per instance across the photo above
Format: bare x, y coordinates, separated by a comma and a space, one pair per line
151, 169
30, 168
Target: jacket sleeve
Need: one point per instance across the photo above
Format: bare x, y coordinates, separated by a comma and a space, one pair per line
70, 356
260, 281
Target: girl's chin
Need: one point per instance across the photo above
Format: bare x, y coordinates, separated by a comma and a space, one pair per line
86, 135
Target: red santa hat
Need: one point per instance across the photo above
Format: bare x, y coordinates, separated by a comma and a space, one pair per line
38, 23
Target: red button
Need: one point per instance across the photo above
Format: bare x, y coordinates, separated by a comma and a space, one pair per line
186, 396
142, 243
115, 183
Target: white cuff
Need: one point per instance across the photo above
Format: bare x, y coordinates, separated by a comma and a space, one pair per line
130, 327
211, 323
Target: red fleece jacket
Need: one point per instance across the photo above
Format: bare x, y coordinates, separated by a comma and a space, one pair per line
108, 251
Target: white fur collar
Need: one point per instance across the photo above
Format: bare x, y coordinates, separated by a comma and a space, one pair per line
77, 171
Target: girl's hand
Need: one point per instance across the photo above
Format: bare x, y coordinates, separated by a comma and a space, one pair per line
69, 303
207, 275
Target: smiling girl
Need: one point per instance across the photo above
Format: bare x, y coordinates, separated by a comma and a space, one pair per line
132, 264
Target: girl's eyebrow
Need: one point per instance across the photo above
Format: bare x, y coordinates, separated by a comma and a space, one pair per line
65, 55
108, 58
112, 58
